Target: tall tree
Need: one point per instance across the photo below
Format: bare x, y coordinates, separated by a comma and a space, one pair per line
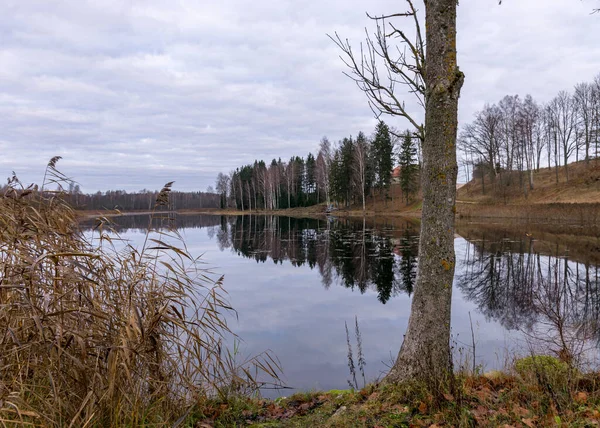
310, 168
222, 186
529, 117
323, 168
360, 167
584, 102
408, 168
482, 138
435, 79
382, 149
565, 126
345, 183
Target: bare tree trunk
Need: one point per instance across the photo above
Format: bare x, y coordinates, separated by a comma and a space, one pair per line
425, 352
241, 193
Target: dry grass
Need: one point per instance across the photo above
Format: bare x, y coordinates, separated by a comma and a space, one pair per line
561, 213
99, 333
583, 186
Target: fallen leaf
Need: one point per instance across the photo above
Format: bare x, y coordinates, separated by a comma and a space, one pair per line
502, 411
581, 397
529, 422
520, 411
422, 407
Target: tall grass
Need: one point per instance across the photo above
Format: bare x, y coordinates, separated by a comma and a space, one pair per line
353, 383
100, 333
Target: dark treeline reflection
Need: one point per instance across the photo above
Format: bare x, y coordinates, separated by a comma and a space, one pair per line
520, 283
353, 254
141, 222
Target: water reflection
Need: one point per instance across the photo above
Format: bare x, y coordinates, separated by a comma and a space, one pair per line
537, 283
139, 223
356, 255
545, 288
535, 287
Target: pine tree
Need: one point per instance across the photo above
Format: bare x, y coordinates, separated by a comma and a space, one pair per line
408, 168
382, 155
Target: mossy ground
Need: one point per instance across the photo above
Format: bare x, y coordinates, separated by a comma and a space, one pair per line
503, 400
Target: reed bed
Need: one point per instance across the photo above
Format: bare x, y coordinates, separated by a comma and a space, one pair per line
97, 332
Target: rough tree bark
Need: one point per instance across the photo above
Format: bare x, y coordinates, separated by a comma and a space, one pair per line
425, 352
434, 79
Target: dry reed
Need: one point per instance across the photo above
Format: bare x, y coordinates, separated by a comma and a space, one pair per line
100, 333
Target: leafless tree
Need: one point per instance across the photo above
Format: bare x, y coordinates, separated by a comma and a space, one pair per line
222, 186
482, 137
584, 103
359, 166
596, 115
324, 168
529, 119
565, 126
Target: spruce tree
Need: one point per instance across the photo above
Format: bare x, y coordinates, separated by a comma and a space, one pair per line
408, 169
382, 155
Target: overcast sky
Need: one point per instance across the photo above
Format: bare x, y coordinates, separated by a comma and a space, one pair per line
135, 93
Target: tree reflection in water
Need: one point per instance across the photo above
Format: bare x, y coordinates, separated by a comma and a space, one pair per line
546, 288
552, 299
352, 254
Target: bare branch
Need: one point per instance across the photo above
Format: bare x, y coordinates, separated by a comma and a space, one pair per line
401, 67
394, 15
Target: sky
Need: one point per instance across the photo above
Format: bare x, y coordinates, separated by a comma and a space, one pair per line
135, 93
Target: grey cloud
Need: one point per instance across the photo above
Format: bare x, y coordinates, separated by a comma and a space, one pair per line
133, 94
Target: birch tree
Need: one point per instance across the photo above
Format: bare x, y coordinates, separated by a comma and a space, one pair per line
360, 166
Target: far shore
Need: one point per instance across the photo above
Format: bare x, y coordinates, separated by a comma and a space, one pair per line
583, 213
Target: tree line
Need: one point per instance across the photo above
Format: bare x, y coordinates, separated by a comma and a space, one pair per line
353, 170
144, 200
519, 136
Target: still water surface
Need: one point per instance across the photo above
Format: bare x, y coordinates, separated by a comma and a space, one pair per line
296, 282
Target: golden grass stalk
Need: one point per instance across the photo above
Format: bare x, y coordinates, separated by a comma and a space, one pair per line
98, 332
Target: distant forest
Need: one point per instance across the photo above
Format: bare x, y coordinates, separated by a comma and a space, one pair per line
144, 200
347, 173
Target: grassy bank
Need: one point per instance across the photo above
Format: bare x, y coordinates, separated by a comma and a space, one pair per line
576, 213
538, 392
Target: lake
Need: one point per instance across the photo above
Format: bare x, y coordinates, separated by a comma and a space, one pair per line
297, 283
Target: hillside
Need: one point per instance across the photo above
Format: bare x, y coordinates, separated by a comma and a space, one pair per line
583, 186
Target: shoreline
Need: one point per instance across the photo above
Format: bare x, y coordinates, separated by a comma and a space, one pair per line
564, 212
